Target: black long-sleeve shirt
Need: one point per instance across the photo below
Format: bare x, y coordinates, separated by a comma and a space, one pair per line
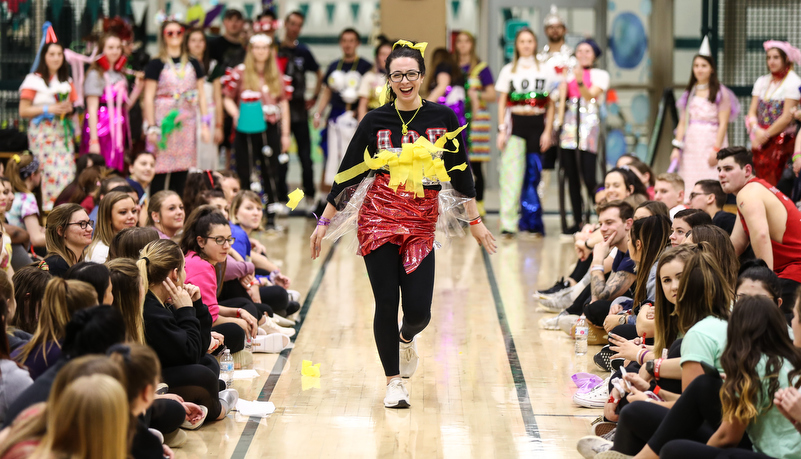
180, 336
381, 128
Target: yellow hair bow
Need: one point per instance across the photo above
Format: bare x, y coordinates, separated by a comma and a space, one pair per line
420, 46
16, 158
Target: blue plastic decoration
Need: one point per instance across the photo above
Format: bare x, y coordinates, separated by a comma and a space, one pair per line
615, 145
628, 41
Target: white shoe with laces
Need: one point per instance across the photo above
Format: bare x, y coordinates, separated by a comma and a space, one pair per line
596, 398
397, 395
591, 445
270, 326
408, 358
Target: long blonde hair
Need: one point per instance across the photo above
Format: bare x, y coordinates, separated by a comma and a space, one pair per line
61, 299
90, 421
473, 56
125, 282
158, 259
517, 53
104, 231
272, 78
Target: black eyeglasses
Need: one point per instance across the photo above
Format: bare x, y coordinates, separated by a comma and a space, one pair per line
221, 240
411, 75
83, 224
694, 194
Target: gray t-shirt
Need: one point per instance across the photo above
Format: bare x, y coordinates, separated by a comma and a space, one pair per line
650, 285
94, 84
13, 382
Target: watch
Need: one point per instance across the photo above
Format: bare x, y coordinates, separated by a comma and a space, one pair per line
649, 367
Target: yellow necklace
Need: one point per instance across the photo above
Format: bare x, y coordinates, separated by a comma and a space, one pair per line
404, 124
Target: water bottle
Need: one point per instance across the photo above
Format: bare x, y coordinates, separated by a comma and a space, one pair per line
227, 367
582, 330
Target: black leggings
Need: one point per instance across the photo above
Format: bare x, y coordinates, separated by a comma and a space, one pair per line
478, 178
177, 182
248, 155
688, 449
234, 336
572, 170
695, 416
581, 269
389, 281
199, 383
165, 415
300, 129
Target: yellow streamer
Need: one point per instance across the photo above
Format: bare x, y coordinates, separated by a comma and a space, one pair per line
409, 168
294, 198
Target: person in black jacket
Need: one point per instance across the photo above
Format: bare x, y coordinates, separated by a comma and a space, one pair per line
178, 328
396, 227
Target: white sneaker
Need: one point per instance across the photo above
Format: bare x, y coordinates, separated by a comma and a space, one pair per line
270, 344
294, 295
270, 326
283, 321
591, 445
556, 302
397, 395
408, 358
551, 323
566, 323
595, 398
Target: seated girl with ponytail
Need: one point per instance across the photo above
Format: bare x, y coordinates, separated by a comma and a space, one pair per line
177, 325
62, 298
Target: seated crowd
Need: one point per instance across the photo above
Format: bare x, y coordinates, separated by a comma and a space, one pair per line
118, 305
697, 310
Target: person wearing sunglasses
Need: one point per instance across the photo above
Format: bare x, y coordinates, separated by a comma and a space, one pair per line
174, 86
68, 233
396, 224
340, 91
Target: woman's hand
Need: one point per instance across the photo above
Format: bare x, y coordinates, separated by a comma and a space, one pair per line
760, 136
257, 247
178, 295
797, 165
637, 382
625, 349
218, 336
636, 396
193, 290
545, 140
247, 281
316, 240
167, 452
675, 155
286, 143
578, 72
218, 135
61, 108
788, 401
484, 237
248, 323
712, 159
193, 412
94, 146
611, 321
204, 133
282, 281
610, 407
500, 141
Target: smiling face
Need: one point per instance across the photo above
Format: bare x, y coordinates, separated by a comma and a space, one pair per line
680, 230
701, 69
112, 49
669, 277
615, 187
526, 44
123, 215
214, 252
406, 91
54, 58
143, 169
196, 44
585, 55
73, 234
171, 215
613, 226
249, 214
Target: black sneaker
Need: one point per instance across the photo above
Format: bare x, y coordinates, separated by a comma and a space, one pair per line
561, 284
602, 358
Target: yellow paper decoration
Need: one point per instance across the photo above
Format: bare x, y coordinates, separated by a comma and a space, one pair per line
308, 382
294, 198
420, 46
414, 163
307, 369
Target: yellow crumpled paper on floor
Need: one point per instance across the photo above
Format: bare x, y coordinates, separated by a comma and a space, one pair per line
294, 198
310, 370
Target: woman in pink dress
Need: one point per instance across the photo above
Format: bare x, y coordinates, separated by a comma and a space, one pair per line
174, 93
706, 107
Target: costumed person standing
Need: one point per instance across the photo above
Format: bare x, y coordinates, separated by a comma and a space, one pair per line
559, 57
770, 115
105, 127
580, 100
46, 97
480, 88
706, 108
397, 218
173, 94
254, 97
208, 153
341, 90
525, 114
374, 82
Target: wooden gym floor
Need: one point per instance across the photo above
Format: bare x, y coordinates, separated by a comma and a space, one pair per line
490, 382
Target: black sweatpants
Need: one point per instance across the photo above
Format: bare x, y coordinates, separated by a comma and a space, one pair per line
177, 182
165, 415
249, 157
300, 129
389, 282
199, 383
234, 335
478, 178
688, 449
572, 168
581, 269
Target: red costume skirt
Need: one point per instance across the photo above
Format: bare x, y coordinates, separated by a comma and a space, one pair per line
771, 158
400, 218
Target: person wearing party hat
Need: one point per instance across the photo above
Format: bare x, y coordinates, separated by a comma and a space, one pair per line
46, 98
706, 107
769, 121
400, 207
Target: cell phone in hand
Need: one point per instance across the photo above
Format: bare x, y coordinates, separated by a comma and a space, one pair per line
710, 371
623, 378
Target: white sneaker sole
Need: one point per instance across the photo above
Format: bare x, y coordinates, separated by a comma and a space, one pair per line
398, 404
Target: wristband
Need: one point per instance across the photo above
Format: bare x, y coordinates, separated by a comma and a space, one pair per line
501, 127
153, 130
796, 155
316, 116
94, 142
640, 355
238, 313
612, 399
206, 119
656, 390
657, 365
597, 268
678, 144
323, 221
587, 245
475, 221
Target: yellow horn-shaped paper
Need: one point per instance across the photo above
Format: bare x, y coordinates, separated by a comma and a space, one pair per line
420, 46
